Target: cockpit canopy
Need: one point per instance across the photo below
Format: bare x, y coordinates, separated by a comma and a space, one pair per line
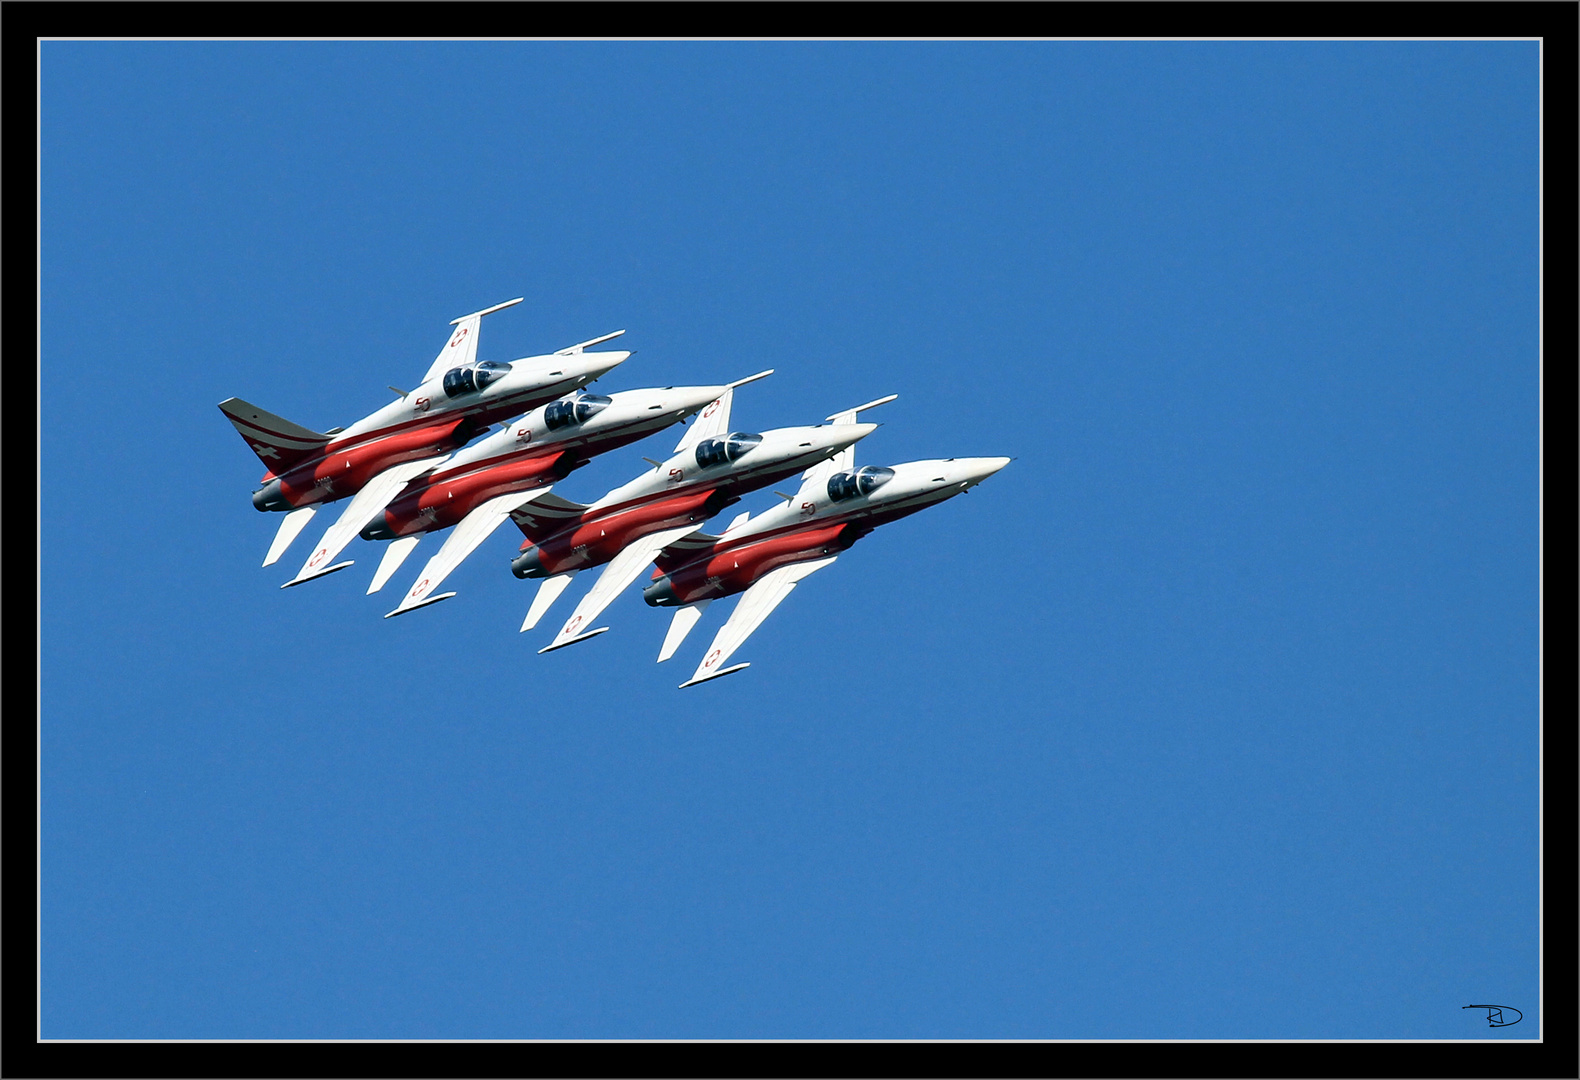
464, 380
716, 451
864, 481
576, 410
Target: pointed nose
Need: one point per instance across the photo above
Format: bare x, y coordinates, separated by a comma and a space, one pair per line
839, 436
692, 398
595, 364
979, 469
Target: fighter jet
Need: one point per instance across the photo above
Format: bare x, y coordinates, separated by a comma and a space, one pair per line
764, 557
476, 489
711, 468
457, 400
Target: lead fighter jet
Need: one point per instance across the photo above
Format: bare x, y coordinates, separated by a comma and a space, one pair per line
711, 468
457, 400
763, 558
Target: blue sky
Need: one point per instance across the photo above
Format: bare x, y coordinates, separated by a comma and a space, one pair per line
1214, 715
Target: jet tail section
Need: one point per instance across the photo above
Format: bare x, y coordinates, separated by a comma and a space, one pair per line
682, 551
546, 515
278, 443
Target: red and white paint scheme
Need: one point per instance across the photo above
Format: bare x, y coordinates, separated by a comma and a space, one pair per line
458, 399
764, 557
475, 489
711, 468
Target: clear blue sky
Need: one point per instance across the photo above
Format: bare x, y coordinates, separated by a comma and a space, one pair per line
1214, 715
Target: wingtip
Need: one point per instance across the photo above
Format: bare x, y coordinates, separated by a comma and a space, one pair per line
572, 641
421, 604
716, 675
322, 573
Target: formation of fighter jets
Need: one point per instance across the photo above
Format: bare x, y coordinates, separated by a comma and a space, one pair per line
413, 468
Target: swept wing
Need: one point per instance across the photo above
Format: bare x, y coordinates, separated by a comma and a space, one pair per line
755, 605
472, 530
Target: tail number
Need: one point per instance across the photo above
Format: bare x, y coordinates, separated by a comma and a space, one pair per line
676, 476
807, 509
421, 404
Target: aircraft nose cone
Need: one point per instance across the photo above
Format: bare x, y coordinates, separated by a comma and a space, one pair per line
695, 397
843, 435
601, 363
979, 469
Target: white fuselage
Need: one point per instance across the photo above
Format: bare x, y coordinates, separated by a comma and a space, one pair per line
781, 452
529, 382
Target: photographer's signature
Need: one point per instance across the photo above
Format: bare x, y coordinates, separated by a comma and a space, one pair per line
1495, 1017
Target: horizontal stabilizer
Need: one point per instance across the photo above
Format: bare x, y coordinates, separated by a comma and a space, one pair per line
716, 675
420, 603
318, 573
573, 640
278, 443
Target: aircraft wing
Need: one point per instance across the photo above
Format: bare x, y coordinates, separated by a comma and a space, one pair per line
364, 506
846, 458
756, 604
461, 349
621, 571
472, 530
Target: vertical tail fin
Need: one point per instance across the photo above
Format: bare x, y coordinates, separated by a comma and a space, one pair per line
278, 443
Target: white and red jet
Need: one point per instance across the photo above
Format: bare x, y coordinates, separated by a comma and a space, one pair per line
476, 489
458, 398
763, 558
710, 469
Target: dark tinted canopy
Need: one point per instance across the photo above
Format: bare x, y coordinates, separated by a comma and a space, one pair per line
465, 380
716, 451
576, 410
863, 481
